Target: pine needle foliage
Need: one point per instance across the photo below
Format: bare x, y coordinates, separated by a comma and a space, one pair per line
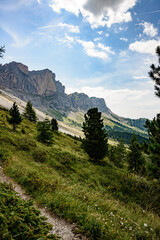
29, 112
154, 137
54, 124
154, 74
45, 135
96, 142
2, 50
15, 117
135, 157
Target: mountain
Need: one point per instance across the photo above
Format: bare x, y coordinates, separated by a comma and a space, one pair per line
41, 88
48, 95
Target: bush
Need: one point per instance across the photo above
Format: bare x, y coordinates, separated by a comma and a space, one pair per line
39, 155
25, 144
19, 219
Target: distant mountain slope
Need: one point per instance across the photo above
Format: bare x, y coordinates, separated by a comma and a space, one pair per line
48, 95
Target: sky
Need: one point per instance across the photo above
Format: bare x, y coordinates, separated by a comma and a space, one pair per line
103, 48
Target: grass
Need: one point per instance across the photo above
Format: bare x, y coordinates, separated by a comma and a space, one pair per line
104, 201
19, 219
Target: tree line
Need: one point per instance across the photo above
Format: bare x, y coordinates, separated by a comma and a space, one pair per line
44, 128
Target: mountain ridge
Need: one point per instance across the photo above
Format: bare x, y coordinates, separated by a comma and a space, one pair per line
48, 94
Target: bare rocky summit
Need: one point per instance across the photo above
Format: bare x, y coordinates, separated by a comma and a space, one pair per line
41, 88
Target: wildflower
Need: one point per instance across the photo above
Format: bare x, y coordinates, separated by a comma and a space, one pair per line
145, 224
130, 229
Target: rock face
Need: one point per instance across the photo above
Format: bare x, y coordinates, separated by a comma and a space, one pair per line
41, 88
16, 76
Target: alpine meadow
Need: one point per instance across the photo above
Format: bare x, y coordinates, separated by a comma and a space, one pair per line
79, 156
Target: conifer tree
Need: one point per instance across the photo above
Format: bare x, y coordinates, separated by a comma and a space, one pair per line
135, 157
96, 142
54, 124
154, 137
15, 118
155, 73
29, 112
45, 135
2, 50
154, 125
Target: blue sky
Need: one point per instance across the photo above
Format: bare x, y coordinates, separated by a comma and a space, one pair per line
103, 48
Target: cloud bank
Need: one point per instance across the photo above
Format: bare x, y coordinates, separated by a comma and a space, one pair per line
97, 13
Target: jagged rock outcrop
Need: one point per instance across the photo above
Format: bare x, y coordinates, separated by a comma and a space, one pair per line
16, 76
83, 102
41, 88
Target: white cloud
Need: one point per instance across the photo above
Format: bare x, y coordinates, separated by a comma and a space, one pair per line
140, 77
149, 29
71, 28
97, 39
18, 42
107, 35
92, 51
100, 32
105, 48
67, 40
97, 13
124, 39
145, 46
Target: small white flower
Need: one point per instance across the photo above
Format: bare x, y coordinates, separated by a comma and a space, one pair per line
145, 224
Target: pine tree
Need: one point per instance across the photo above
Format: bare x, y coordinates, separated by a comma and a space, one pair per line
54, 124
154, 125
96, 142
120, 153
45, 135
2, 50
29, 112
155, 73
135, 157
15, 118
154, 137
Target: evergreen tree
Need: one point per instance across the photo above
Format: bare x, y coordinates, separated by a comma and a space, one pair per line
54, 124
135, 157
2, 50
120, 153
96, 142
45, 134
117, 153
29, 112
15, 118
155, 73
154, 125
154, 137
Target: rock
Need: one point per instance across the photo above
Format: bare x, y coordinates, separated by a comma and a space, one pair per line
41, 88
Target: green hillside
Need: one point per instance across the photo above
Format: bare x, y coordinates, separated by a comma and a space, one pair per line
115, 128
106, 202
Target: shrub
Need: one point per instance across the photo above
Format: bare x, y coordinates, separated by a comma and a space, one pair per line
19, 219
39, 155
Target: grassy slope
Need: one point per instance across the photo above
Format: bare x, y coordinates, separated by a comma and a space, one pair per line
19, 219
105, 201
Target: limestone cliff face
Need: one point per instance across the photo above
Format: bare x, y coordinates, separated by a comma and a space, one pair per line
83, 102
16, 76
44, 82
41, 88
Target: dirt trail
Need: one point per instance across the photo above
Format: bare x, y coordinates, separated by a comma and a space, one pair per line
60, 227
